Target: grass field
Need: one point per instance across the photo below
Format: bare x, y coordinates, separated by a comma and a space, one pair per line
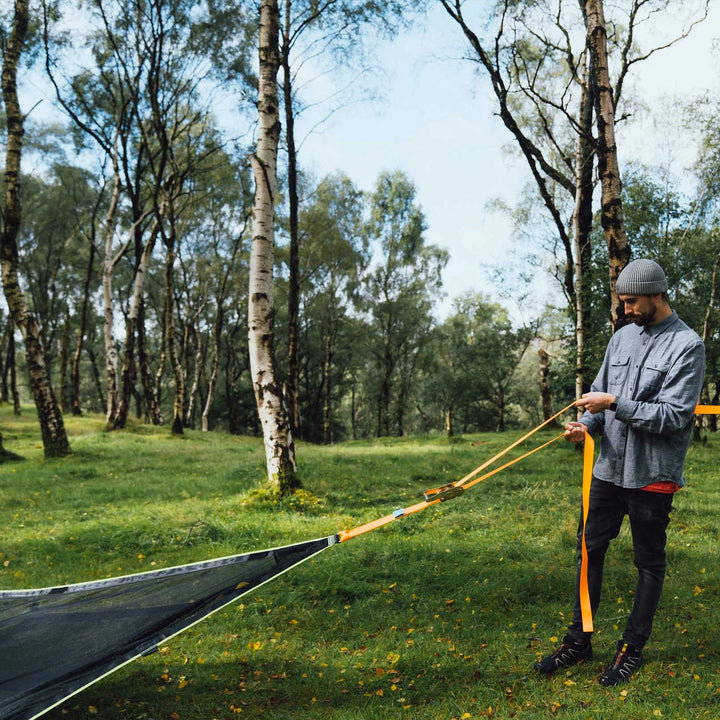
438, 615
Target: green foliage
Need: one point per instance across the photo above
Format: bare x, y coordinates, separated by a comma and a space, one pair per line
335, 254
478, 354
398, 297
439, 615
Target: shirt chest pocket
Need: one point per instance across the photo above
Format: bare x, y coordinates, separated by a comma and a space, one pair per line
618, 370
652, 377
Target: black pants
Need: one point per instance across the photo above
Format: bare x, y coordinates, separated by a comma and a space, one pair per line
649, 514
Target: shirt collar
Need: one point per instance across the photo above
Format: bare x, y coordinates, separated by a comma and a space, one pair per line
660, 327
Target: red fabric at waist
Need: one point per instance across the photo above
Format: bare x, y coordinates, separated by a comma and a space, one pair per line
664, 486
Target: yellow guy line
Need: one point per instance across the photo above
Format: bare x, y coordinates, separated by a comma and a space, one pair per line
464, 480
380, 522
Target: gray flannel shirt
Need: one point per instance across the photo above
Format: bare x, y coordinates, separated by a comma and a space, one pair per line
656, 373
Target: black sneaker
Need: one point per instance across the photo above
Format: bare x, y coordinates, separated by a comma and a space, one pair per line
627, 661
569, 653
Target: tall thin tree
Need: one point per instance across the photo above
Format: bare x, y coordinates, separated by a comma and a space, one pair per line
279, 444
54, 436
608, 167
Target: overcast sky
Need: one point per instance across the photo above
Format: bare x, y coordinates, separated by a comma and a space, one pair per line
437, 124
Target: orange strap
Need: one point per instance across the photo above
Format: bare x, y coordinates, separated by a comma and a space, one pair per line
472, 474
587, 619
344, 535
585, 607
469, 480
367, 527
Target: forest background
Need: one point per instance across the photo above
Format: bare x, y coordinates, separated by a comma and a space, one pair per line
133, 252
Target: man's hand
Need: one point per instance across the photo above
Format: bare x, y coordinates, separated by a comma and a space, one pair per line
575, 432
595, 402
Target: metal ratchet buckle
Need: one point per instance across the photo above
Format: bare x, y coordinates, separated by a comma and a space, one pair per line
443, 493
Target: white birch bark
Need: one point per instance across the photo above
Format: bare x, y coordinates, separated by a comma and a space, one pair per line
582, 221
211, 384
52, 427
279, 446
108, 270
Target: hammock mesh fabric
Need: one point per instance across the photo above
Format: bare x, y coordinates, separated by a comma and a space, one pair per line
56, 641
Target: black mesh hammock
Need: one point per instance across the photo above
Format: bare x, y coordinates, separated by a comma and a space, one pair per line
56, 641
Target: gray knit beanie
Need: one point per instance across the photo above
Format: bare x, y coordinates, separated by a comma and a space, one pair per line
641, 277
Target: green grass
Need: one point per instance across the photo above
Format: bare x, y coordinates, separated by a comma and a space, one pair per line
438, 615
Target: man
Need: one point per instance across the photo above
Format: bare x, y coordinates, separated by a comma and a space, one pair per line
643, 402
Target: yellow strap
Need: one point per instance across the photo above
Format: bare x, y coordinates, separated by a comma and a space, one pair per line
588, 455
344, 535
585, 607
469, 480
462, 481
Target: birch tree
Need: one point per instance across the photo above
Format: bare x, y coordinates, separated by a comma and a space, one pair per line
279, 444
54, 436
103, 104
611, 216
547, 85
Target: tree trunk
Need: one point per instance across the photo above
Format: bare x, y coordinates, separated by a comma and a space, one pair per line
294, 260
76, 404
608, 168
148, 381
449, 430
327, 384
4, 384
212, 380
128, 376
64, 343
545, 392
198, 372
101, 395
12, 363
582, 224
129, 369
279, 445
383, 406
217, 336
54, 436
108, 270
501, 412
175, 364
353, 410
231, 395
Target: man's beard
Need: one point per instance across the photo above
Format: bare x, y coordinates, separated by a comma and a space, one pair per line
645, 318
